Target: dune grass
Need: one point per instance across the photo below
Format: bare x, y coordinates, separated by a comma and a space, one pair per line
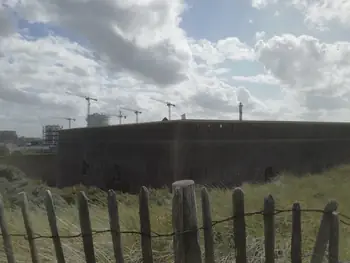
312, 191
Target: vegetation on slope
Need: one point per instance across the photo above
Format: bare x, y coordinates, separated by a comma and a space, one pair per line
311, 191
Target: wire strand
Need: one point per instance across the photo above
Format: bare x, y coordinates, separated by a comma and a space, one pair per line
159, 235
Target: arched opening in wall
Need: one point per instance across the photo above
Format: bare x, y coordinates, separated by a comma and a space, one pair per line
269, 174
232, 128
118, 173
84, 168
114, 178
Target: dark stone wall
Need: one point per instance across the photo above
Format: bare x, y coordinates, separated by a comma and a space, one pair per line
35, 166
261, 130
121, 157
232, 163
231, 153
210, 152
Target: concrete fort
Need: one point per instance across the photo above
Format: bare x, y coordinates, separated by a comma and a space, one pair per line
208, 152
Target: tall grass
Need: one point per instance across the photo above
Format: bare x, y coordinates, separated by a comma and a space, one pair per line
312, 191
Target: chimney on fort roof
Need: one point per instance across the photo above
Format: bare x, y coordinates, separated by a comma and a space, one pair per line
240, 107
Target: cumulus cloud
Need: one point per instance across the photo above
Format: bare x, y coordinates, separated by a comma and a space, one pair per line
259, 4
318, 71
213, 53
260, 78
7, 24
223, 100
320, 13
317, 14
142, 37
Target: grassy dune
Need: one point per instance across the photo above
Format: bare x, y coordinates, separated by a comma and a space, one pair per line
311, 191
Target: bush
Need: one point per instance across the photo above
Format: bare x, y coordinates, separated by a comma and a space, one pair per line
4, 151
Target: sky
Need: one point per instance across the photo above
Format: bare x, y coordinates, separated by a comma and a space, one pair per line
283, 59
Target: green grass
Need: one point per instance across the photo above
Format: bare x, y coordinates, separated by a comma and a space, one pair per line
312, 191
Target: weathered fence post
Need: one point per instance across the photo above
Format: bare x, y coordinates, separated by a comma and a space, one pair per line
192, 251
113, 213
208, 227
177, 220
51, 216
85, 226
145, 223
333, 247
269, 229
296, 234
323, 232
29, 228
5, 235
239, 227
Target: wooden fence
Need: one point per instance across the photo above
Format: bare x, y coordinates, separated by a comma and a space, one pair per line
186, 231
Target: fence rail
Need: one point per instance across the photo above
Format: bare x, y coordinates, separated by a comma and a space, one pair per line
185, 232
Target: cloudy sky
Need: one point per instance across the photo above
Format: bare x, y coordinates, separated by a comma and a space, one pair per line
283, 59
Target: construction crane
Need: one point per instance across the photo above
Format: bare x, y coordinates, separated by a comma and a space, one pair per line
121, 116
88, 99
68, 119
168, 104
134, 111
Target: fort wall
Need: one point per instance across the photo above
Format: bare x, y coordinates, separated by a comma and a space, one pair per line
124, 157
121, 157
210, 152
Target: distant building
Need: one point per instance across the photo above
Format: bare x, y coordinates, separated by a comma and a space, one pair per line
8, 136
23, 141
98, 120
50, 134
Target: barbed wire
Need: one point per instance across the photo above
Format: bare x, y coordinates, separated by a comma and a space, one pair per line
172, 234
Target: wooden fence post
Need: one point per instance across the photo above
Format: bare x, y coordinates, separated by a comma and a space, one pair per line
177, 220
208, 228
192, 249
85, 226
333, 247
5, 235
239, 227
51, 216
323, 233
113, 213
29, 228
296, 234
145, 223
269, 229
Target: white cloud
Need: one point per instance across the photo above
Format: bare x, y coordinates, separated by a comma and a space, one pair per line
226, 49
7, 25
260, 78
318, 71
142, 37
260, 35
35, 75
320, 13
259, 4
317, 14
